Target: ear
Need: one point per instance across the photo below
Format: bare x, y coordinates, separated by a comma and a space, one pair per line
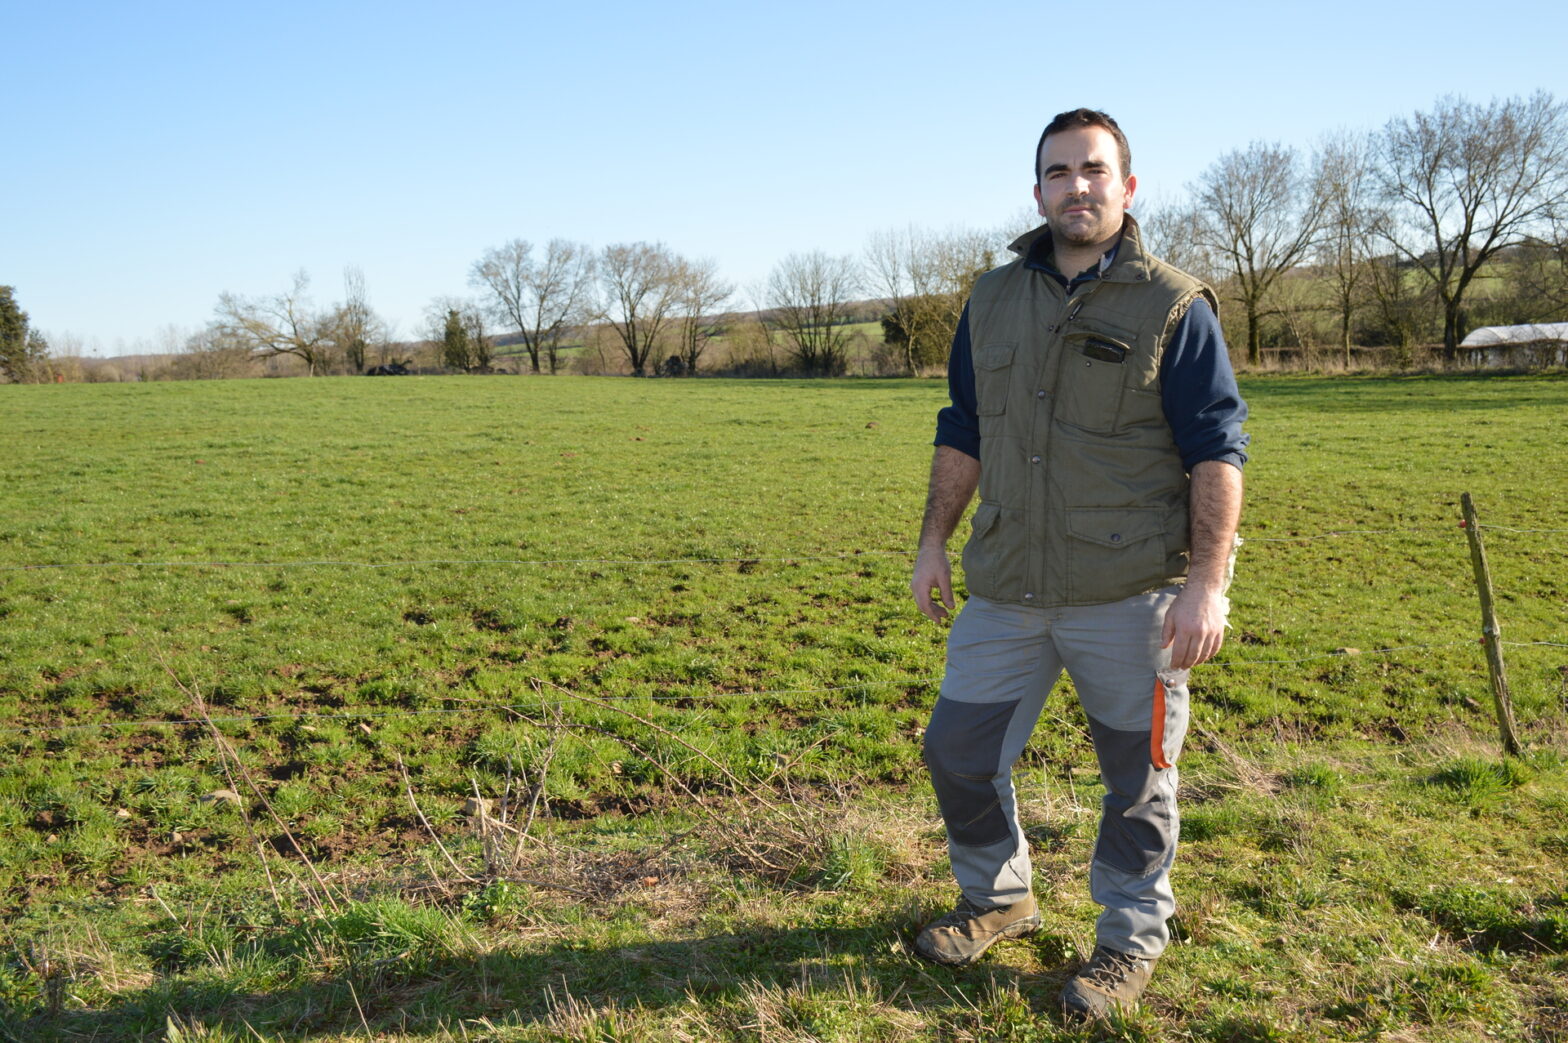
1131, 186
1039, 204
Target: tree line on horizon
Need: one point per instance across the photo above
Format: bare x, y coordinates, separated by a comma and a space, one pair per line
1440, 221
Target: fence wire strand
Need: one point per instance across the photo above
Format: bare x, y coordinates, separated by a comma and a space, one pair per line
907, 682
328, 563
1224, 664
354, 715
633, 562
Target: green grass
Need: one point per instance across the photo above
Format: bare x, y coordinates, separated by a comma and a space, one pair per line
494, 583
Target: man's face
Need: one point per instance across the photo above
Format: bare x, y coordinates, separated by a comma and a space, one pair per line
1081, 192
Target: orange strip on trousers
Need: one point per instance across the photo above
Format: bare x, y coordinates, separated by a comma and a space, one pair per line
1157, 735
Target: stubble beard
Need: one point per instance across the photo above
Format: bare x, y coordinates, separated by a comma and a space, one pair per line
1076, 233
1098, 229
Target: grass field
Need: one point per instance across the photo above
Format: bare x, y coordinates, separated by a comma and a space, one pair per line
573, 708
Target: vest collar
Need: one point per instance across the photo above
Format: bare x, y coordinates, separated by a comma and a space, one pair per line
1131, 263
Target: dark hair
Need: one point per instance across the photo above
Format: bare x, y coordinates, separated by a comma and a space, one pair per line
1077, 118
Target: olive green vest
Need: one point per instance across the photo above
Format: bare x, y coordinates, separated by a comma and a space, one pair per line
1083, 499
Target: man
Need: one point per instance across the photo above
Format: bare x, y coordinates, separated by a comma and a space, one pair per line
1092, 382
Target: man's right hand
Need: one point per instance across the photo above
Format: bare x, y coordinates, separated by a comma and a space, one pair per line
954, 477
932, 571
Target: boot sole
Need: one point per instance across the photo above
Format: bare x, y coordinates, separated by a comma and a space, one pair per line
1016, 929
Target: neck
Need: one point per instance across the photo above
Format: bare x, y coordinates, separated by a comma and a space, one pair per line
1071, 259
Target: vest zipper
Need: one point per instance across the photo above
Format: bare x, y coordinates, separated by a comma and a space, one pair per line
1072, 313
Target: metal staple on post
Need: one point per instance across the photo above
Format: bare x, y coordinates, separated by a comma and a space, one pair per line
1491, 635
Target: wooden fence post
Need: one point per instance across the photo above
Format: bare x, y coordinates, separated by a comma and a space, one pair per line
1491, 636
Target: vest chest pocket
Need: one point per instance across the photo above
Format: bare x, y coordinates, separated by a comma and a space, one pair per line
993, 369
1094, 369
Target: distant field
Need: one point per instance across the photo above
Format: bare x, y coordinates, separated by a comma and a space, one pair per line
682, 606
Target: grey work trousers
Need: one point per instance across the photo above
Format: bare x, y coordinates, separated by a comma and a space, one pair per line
1002, 661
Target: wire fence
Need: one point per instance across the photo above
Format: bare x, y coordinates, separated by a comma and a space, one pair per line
695, 692
688, 696
733, 559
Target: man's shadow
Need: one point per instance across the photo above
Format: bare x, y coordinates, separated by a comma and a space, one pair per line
523, 987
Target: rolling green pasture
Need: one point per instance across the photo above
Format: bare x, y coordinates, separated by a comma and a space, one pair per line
466, 708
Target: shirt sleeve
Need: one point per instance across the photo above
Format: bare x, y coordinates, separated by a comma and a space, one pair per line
957, 424
1198, 391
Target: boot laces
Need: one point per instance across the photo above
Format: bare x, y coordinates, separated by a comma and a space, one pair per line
965, 912
1109, 968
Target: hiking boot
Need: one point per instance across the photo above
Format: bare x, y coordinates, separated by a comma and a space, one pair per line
1109, 979
963, 934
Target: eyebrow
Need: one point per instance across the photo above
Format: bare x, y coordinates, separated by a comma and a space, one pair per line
1093, 164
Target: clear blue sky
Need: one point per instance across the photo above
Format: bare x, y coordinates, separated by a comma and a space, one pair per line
157, 154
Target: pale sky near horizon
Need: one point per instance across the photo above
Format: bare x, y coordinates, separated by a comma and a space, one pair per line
162, 153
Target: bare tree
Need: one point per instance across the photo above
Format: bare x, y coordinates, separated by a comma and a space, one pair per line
640, 292
1404, 312
923, 279
1345, 174
1173, 232
207, 355
1260, 217
353, 322
1467, 181
1540, 273
900, 271
701, 295
960, 258
540, 300
283, 324
808, 296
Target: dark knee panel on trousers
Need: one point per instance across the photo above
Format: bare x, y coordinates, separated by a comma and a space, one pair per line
1137, 823
963, 744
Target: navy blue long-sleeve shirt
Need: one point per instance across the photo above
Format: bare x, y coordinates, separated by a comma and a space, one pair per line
1197, 385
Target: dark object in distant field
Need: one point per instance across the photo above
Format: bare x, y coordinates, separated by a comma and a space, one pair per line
391, 369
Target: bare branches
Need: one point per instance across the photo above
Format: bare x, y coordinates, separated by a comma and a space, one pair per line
809, 295
641, 289
1344, 177
1260, 216
1466, 181
541, 299
700, 293
923, 279
282, 324
287, 324
353, 323
1173, 232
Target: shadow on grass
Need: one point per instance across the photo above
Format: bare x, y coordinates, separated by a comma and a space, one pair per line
520, 989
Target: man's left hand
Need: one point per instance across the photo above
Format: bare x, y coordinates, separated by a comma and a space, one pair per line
1194, 626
